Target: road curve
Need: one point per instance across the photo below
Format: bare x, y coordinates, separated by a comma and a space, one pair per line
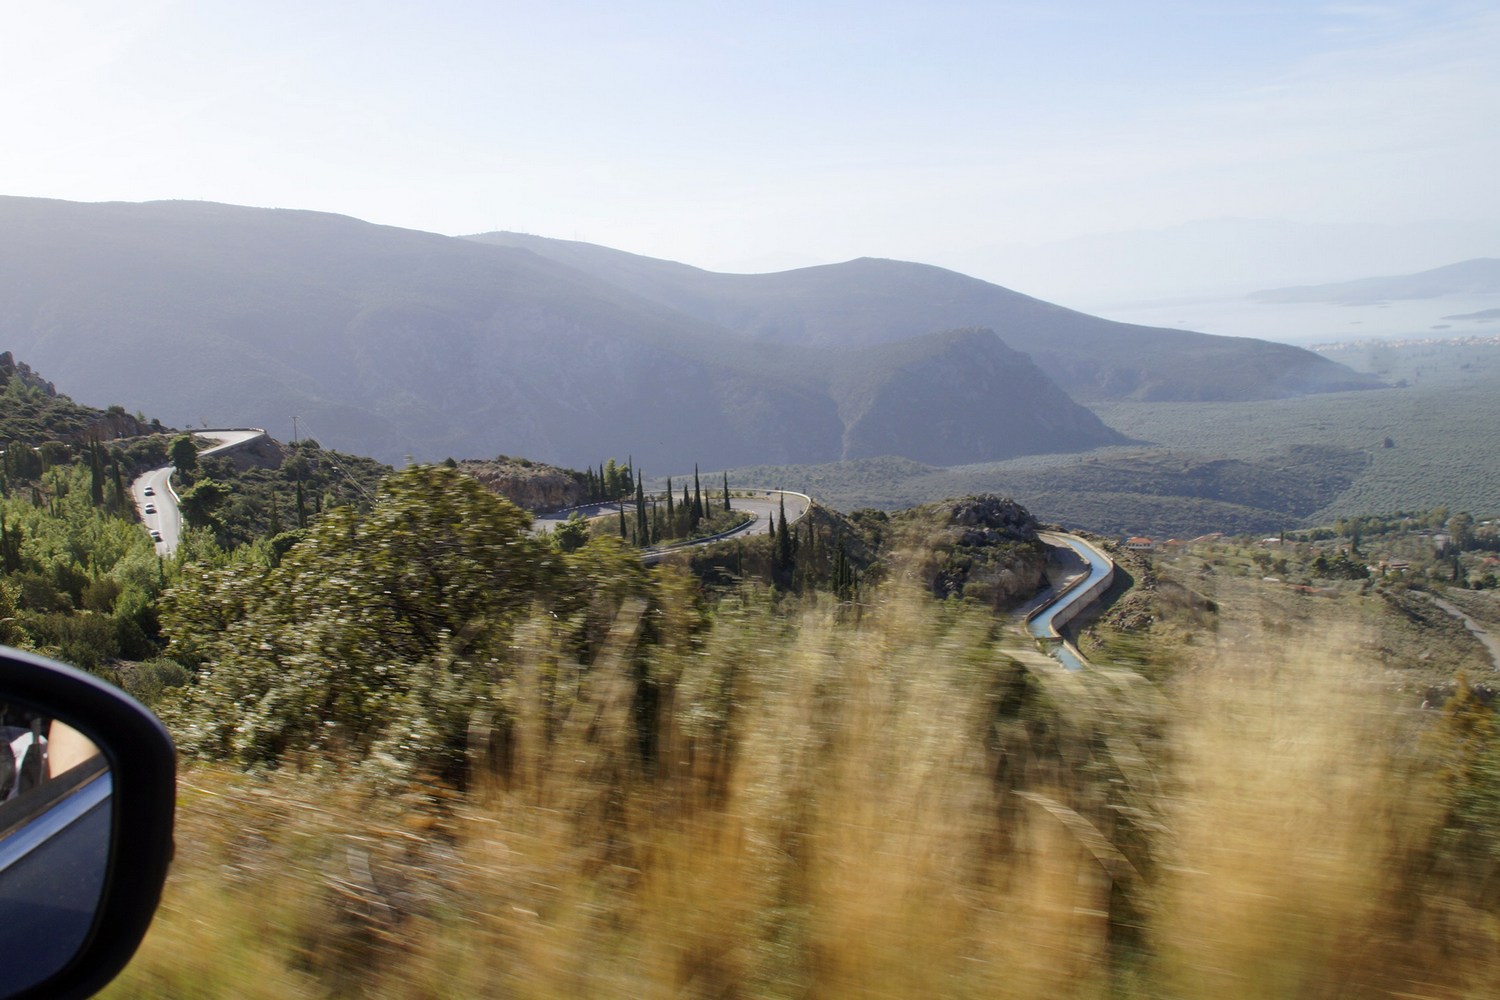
155, 500
761, 504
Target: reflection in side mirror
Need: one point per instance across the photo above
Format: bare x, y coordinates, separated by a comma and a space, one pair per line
55, 823
86, 799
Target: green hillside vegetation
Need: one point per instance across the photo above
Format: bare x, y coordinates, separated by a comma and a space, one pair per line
35, 417
1373, 577
275, 492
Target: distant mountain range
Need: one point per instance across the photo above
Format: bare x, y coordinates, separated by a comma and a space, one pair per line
871, 301
392, 342
1480, 276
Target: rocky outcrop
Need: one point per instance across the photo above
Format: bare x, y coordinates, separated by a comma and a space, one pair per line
115, 423
991, 518
41, 413
529, 485
980, 548
11, 368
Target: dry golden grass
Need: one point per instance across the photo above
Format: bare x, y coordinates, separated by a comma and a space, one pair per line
1290, 818
835, 809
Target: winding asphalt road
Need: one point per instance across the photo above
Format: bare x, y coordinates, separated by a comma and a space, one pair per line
155, 501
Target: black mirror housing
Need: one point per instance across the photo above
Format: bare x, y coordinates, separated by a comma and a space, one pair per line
141, 765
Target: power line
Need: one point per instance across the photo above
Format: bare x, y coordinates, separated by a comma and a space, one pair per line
335, 467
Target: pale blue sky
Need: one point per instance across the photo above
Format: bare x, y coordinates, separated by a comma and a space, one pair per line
717, 133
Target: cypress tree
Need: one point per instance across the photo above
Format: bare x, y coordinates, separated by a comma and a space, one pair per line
96, 474
301, 506
671, 510
843, 572
114, 468
784, 539
698, 510
726, 491
642, 529
622, 518
10, 547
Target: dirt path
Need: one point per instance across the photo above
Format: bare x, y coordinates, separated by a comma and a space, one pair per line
1475, 629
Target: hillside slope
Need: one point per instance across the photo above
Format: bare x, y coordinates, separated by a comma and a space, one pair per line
885, 397
397, 343
870, 301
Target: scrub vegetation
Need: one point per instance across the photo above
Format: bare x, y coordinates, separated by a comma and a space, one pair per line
428, 753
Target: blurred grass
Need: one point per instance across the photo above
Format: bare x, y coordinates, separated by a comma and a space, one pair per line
901, 803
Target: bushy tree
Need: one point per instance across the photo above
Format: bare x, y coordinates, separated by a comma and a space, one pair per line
200, 502
372, 639
184, 453
572, 533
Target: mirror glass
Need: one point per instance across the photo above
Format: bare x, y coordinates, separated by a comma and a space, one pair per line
55, 817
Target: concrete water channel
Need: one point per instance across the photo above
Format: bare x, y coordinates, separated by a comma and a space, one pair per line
1079, 575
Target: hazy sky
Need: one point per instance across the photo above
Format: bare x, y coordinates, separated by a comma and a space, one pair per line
717, 133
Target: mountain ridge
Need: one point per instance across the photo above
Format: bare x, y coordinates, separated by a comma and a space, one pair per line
872, 300
398, 343
1478, 275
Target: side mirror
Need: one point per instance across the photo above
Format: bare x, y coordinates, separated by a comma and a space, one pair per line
87, 791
